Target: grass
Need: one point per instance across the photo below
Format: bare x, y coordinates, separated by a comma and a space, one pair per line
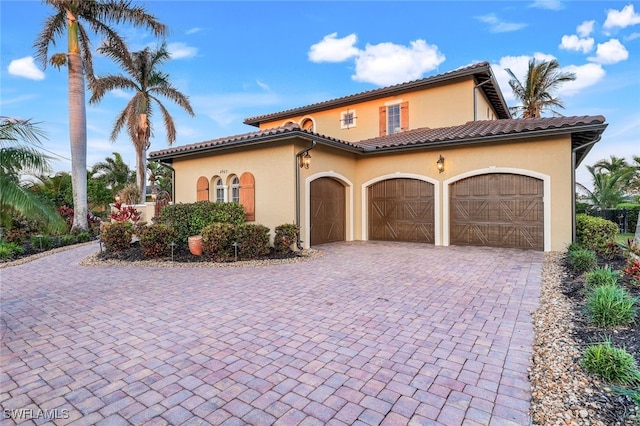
622, 238
610, 306
612, 364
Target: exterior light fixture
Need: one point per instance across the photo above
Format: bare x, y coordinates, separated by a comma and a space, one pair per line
154, 196
117, 198
440, 164
305, 160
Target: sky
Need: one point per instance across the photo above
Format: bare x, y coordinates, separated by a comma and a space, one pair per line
241, 59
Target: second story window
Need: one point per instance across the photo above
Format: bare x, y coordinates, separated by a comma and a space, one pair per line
347, 119
394, 118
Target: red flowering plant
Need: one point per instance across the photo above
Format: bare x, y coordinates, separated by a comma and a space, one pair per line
633, 271
124, 213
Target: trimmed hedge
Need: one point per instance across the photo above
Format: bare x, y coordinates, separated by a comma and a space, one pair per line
286, 236
594, 232
217, 241
155, 240
190, 219
253, 240
116, 236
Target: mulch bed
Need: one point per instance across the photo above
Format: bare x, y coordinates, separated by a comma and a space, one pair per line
613, 409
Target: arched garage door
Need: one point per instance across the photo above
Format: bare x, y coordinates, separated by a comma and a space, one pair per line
401, 210
499, 210
327, 200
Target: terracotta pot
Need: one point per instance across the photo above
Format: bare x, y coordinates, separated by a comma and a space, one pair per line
195, 245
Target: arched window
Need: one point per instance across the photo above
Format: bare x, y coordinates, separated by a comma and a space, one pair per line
308, 124
235, 189
219, 191
202, 189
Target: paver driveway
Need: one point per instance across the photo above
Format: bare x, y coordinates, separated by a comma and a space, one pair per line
370, 333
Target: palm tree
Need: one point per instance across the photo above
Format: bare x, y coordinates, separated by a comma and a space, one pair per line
114, 172
74, 18
607, 186
17, 157
147, 83
537, 93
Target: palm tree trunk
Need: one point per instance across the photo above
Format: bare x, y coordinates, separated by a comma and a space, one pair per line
141, 160
636, 238
78, 142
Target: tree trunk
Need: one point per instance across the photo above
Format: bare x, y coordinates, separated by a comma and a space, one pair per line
141, 165
636, 238
78, 142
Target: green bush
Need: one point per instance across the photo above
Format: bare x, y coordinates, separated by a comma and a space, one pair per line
594, 232
601, 276
190, 219
83, 237
286, 235
583, 260
17, 236
217, 241
42, 242
615, 365
9, 250
67, 240
155, 240
116, 236
573, 247
610, 306
253, 240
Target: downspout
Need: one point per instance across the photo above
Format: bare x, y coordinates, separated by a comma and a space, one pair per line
475, 99
573, 186
297, 166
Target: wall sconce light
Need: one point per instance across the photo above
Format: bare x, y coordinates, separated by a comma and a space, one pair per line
440, 164
305, 160
154, 196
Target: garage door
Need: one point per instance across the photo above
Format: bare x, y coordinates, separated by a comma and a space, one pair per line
401, 210
499, 210
327, 199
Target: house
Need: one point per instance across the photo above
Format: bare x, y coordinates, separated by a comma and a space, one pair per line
438, 160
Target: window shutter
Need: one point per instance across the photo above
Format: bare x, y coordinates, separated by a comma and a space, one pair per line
248, 196
202, 189
404, 116
383, 120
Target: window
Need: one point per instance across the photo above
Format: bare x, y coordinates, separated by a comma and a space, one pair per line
235, 189
347, 119
394, 118
219, 191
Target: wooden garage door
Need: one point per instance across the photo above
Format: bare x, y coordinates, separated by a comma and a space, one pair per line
401, 210
327, 199
499, 210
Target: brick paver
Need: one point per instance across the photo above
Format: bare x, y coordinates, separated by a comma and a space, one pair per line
370, 333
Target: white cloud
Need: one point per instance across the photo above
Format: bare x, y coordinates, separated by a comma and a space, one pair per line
193, 30
632, 36
388, 63
333, 49
585, 29
548, 4
263, 85
610, 52
25, 67
572, 42
181, 51
499, 26
586, 75
622, 18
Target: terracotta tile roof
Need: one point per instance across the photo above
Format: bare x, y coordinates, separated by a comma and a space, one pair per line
482, 71
479, 130
583, 129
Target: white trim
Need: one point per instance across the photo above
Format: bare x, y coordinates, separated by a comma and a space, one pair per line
307, 204
546, 198
343, 114
398, 175
393, 102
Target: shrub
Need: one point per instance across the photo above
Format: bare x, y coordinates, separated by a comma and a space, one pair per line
612, 364
41, 242
67, 240
594, 232
253, 240
124, 213
583, 260
286, 235
116, 236
9, 250
601, 276
83, 237
16, 236
632, 270
573, 247
217, 241
611, 306
155, 240
190, 219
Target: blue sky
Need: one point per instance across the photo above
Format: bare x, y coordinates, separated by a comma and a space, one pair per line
241, 59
